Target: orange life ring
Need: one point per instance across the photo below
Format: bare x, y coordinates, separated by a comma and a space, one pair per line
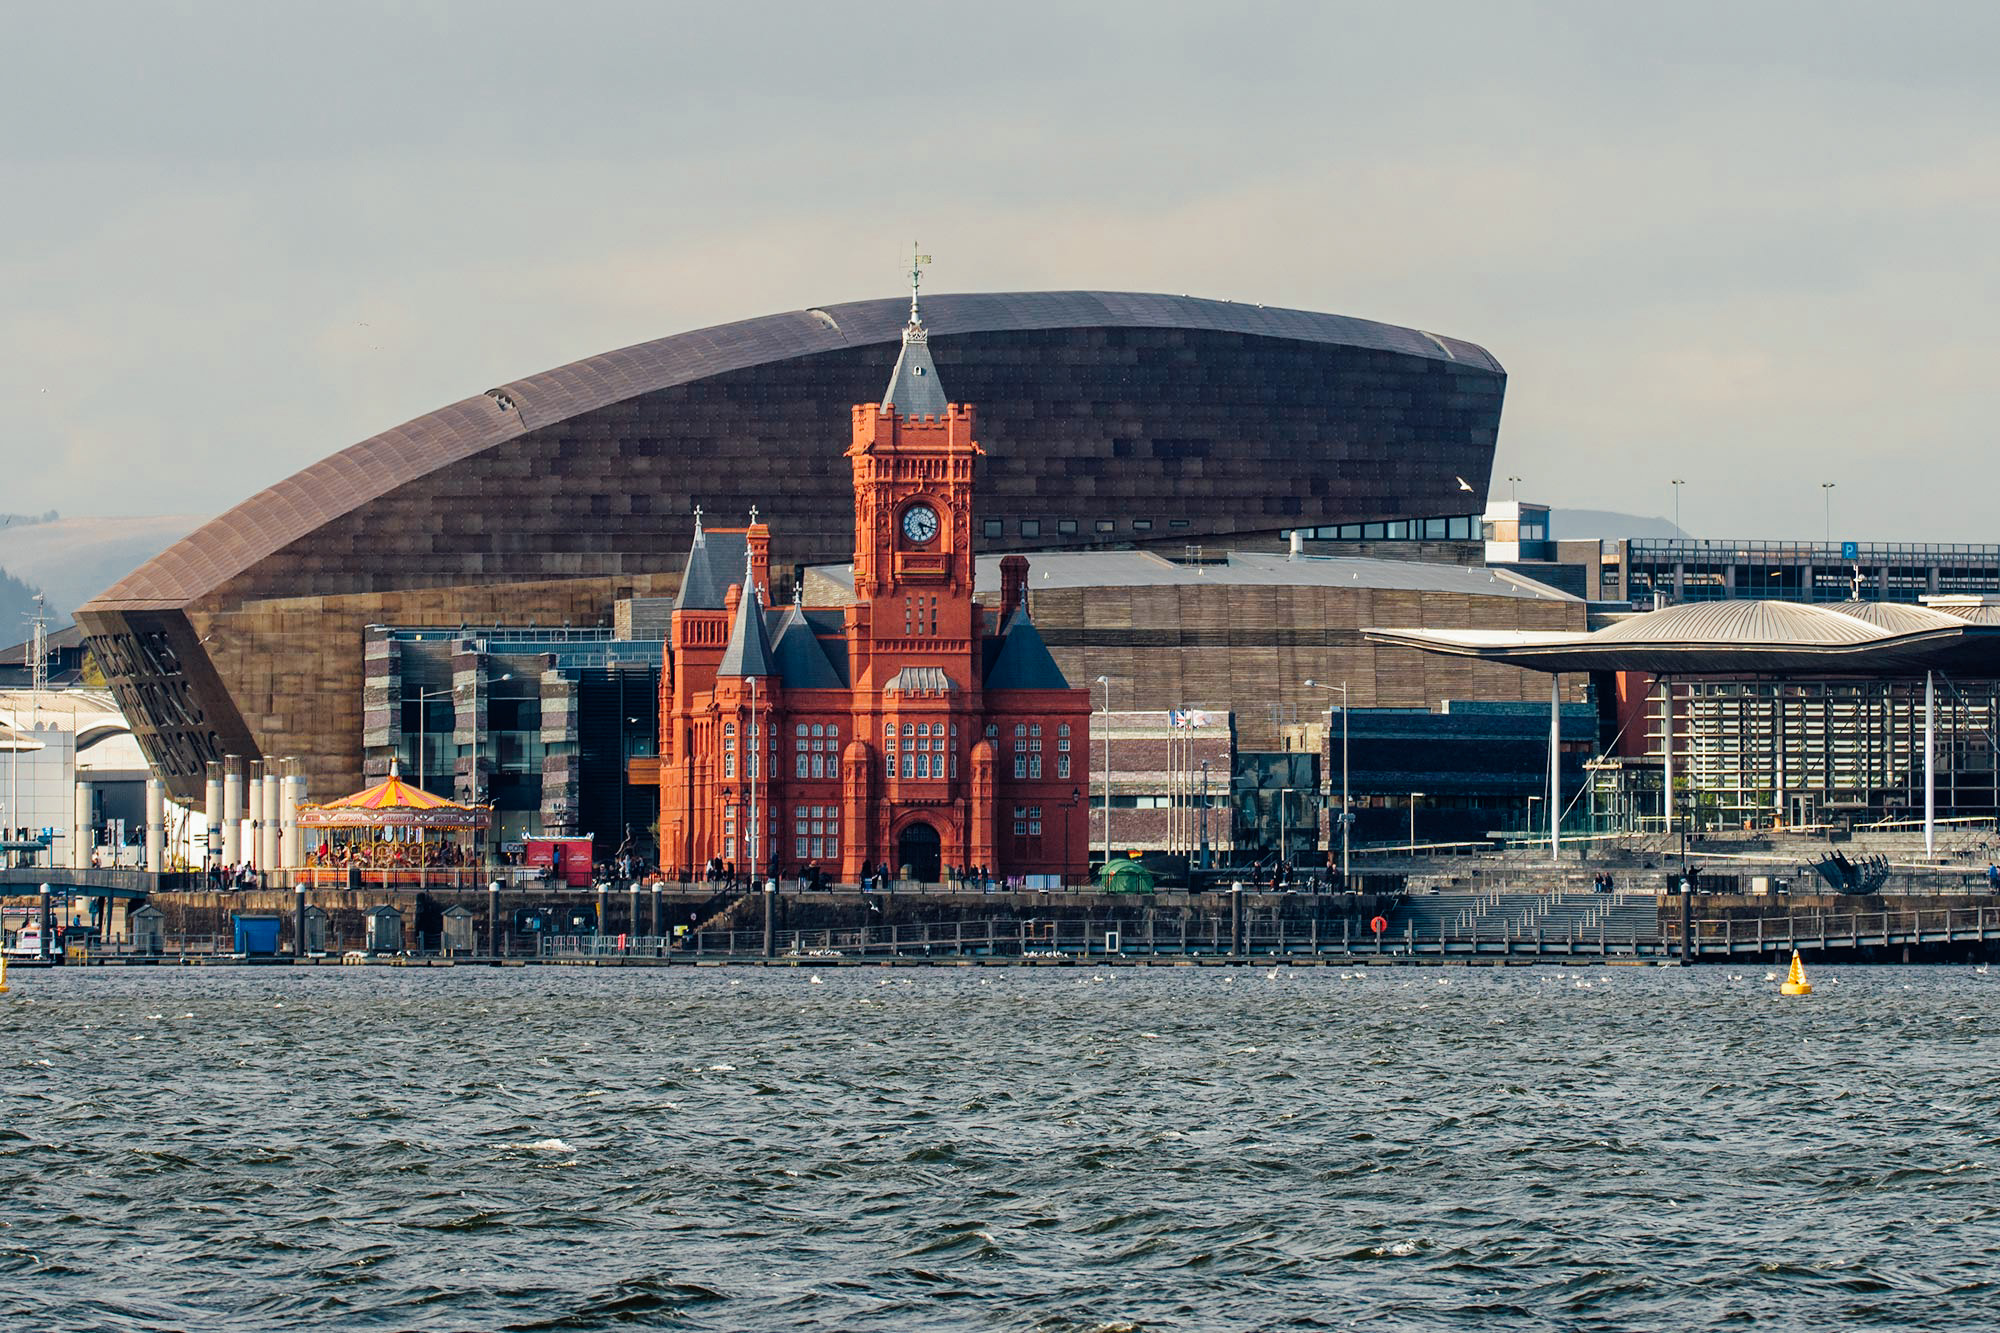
1378, 925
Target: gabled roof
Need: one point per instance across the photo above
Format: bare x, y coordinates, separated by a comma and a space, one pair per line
749, 651
1024, 662
802, 662
914, 388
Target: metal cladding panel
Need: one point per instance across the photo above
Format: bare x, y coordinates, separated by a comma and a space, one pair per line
1111, 415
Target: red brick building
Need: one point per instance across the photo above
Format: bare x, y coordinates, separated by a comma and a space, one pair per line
912, 728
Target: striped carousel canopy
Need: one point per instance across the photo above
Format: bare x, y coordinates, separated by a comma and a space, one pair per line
393, 803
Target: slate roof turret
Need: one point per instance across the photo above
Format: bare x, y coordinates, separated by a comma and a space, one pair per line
1024, 662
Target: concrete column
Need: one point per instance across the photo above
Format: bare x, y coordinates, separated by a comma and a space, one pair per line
79, 833
1930, 764
211, 806
232, 810
1667, 746
1555, 766
291, 846
156, 826
273, 856
253, 816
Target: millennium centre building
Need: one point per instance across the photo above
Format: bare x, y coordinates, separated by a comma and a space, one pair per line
1111, 422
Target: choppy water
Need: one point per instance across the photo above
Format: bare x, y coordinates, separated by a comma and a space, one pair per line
1542, 1148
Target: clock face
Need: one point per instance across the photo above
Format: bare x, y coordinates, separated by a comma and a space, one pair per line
920, 523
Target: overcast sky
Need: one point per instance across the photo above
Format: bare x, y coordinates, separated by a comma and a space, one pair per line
1750, 246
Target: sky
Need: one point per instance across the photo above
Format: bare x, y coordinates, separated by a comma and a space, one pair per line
1747, 246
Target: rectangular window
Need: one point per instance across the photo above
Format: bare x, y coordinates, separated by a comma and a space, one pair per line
1066, 527
1399, 531
1062, 765
1434, 528
1031, 527
1372, 532
818, 766
1034, 828
996, 527
909, 764
1020, 828
803, 764
1020, 766
1142, 525
1062, 743
1459, 528
1177, 522
802, 846
1107, 525
729, 763
1034, 765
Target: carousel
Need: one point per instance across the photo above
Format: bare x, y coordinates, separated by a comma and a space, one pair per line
393, 835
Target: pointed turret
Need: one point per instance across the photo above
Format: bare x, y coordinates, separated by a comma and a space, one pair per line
802, 662
1024, 662
914, 388
749, 651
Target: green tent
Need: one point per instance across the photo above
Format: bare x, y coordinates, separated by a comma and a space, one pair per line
1126, 877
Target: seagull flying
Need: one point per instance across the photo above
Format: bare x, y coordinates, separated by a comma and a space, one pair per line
1463, 484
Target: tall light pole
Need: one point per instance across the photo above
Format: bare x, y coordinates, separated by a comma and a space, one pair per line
423, 721
753, 748
1512, 493
1204, 814
1677, 483
1346, 815
1826, 491
1105, 681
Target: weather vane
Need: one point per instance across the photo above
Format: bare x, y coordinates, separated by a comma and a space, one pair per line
917, 262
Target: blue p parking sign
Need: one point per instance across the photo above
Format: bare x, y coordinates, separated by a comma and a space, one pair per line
1850, 550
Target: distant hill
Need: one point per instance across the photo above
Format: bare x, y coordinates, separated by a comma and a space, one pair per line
74, 559
1607, 525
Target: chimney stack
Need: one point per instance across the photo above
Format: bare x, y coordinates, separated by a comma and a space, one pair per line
1013, 584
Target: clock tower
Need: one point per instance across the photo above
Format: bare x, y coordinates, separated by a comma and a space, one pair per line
913, 458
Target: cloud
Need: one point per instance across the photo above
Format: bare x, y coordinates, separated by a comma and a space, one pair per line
1704, 243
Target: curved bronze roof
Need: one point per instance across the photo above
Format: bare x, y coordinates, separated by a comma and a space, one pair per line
271, 519
1727, 638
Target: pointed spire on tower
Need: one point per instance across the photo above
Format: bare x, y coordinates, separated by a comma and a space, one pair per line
749, 651
914, 389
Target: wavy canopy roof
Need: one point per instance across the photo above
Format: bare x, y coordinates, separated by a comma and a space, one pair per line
268, 521
1739, 638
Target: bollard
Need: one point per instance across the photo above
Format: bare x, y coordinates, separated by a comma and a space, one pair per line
632, 911
48, 924
656, 909
1236, 920
770, 901
493, 916
1687, 925
299, 922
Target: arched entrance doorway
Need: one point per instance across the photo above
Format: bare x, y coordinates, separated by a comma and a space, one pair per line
918, 848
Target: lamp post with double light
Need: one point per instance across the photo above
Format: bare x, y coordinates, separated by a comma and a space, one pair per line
1346, 813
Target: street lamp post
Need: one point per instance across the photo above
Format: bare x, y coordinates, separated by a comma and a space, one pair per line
1204, 814
423, 723
1105, 681
755, 744
1826, 491
1677, 483
1346, 814
1069, 814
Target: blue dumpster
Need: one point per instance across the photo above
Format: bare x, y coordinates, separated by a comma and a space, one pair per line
256, 936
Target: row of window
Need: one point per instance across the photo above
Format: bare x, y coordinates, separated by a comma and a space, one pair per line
816, 832
1027, 821
1068, 527
1461, 527
923, 750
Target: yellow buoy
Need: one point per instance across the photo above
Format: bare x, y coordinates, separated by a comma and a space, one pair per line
3, 974
1795, 980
